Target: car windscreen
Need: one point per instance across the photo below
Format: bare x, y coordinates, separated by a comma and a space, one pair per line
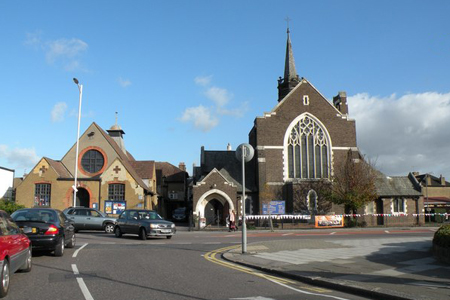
149, 215
34, 215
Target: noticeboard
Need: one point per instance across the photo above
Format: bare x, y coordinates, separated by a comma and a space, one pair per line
275, 208
115, 207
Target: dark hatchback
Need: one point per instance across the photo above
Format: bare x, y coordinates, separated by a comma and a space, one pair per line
144, 223
47, 228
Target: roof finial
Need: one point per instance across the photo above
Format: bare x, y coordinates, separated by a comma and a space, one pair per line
116, 117
287, 21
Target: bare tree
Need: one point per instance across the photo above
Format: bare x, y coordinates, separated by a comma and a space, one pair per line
268, 194
300, 196
353, 183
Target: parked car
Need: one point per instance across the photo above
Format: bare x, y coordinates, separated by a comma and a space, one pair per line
85, 218
47, 228
144, 223
179, 214
15, 251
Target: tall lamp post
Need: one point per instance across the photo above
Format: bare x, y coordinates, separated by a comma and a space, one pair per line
80, 89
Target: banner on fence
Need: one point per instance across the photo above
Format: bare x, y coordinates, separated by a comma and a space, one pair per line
331, 221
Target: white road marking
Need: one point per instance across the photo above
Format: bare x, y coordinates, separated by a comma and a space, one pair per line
287, 234
75, 269
332, 233
78, 250
87, 295
387, 231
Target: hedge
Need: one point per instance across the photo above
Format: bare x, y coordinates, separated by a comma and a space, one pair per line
9, 206
442, 237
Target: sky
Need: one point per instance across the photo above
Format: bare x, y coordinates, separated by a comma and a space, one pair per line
186, 74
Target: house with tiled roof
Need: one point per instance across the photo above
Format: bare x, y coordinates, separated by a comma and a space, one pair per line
108, 176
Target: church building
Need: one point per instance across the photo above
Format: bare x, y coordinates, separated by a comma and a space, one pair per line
298, 144
109, 178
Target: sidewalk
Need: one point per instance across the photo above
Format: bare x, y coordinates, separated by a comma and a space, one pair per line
382, 268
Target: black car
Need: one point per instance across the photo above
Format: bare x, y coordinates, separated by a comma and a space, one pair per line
85, 218
144, 223
47, 228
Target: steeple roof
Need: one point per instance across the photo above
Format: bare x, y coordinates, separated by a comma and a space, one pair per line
291, 79
289, 66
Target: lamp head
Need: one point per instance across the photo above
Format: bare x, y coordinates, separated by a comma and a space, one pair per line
75, 80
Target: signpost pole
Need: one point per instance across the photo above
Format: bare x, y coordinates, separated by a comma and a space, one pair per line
244, 226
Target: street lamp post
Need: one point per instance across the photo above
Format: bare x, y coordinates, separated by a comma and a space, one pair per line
80, 89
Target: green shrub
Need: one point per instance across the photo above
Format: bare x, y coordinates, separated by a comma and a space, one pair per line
10, 206
442, 236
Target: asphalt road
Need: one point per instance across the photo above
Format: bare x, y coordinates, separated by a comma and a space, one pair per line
188, 266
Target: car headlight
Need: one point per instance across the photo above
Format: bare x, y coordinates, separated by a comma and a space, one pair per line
153, 226
173, 225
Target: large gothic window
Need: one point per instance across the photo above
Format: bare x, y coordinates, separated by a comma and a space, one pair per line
307, 150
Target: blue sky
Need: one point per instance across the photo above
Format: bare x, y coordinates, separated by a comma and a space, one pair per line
186, 74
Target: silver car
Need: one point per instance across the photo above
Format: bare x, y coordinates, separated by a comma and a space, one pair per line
85, 218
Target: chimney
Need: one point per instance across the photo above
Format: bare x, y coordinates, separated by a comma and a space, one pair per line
182, 166
428, 179
340, 102
442, 180
229, 147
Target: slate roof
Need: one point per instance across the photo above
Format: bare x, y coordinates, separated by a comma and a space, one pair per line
144, 168
171, 172
59, 168
396, 186
230, 168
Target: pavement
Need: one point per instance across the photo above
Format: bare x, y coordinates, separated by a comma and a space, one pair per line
392, 267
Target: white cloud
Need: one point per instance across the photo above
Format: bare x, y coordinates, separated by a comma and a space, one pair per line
403, 134
124, 82
19, 158
203, 80
219, 96
201, 118
65, 53
236, 112
58, 112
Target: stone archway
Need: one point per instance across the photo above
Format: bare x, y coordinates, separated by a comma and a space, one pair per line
214, 206
83, 198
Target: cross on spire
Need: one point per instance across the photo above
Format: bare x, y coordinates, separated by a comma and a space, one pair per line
287, 21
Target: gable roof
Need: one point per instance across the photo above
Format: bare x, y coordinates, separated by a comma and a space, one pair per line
304, 81
171, 172
397, 186
59, 168
144, 168
230, 168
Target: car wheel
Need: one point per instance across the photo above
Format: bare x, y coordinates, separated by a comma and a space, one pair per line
4, 283
27, 264
59, 251
72, 242
168, 237
142, 234
109, 228
117, 232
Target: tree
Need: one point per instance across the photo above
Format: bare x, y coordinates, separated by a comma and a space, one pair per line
269, 194
9, 206
353, 183
300, 196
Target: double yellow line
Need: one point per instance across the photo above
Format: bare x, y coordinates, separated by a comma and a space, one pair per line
211, 256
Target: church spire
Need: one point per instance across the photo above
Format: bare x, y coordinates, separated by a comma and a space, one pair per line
291, 79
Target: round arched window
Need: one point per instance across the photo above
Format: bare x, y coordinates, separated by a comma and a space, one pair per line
92, 161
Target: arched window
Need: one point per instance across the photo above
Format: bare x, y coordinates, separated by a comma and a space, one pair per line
312, 200
92, 161
308, 150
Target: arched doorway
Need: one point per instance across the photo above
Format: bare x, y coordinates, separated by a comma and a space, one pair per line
82, 197
216, 212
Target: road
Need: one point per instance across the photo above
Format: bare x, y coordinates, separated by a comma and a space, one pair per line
188, 266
